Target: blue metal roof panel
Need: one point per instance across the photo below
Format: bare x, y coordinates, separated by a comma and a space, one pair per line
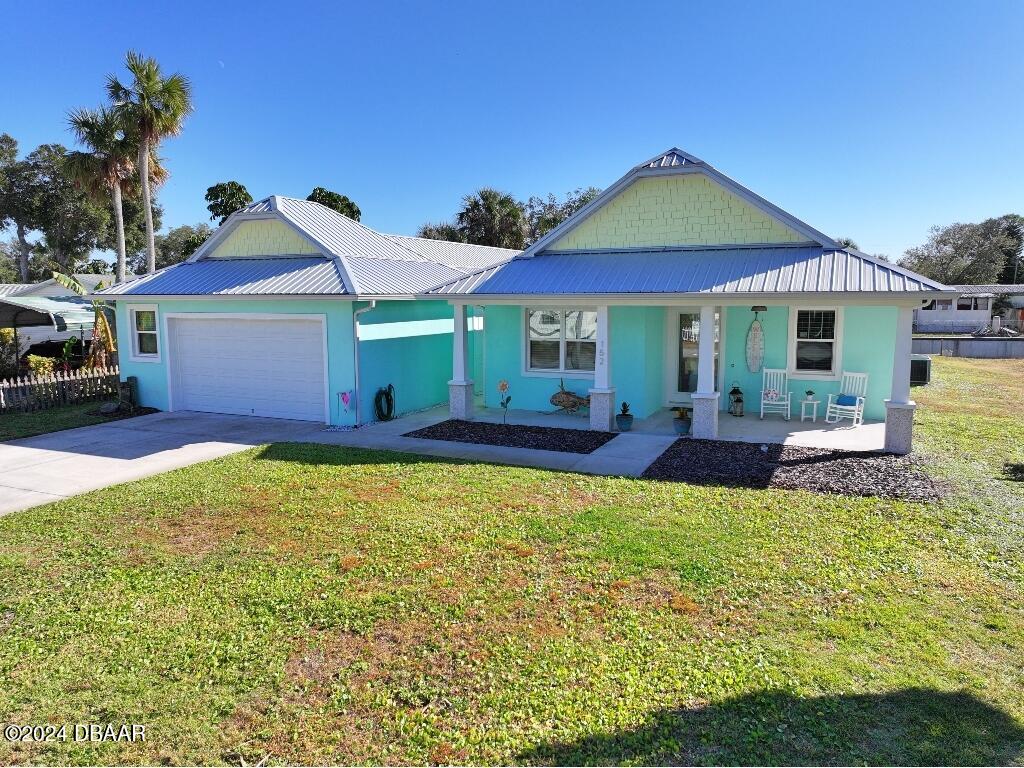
462, 256
804, 269
292, 276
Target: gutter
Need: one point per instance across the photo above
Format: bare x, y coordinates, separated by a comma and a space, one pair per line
355, 357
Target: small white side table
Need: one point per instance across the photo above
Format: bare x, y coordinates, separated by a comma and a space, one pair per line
809, 405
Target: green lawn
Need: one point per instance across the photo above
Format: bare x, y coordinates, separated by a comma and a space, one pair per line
305, 604
15, 425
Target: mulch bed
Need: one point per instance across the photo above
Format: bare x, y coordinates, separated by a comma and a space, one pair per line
515, 436
750, 465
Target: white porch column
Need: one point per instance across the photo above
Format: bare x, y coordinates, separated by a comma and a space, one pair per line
899, 408
460, 388
602, 396
705, 399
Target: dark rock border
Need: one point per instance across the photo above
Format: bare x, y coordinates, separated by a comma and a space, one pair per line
515, 436
791, 467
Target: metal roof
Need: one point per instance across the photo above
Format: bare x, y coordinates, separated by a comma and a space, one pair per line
62, 312
13, 289
671, 158
461, 256
288, 276
759, 270
993, 289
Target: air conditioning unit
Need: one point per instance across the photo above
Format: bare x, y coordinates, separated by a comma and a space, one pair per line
920, 370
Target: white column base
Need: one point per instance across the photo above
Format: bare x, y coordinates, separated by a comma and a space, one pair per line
460, 400
602, 409
899, 426
705, 415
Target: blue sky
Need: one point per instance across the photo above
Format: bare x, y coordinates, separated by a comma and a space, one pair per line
872, 120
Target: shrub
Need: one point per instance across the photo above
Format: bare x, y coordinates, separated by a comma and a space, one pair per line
8, 354
40, 366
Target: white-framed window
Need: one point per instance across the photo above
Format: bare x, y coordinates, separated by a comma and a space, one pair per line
815, 335
944, 304
560, 341
973, 302
145, 342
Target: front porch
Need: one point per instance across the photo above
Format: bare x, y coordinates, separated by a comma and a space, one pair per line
869, 436
656, 358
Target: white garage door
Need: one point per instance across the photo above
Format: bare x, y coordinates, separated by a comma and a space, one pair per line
247, 366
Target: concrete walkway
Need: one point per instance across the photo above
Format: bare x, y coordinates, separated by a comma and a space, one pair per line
39, 470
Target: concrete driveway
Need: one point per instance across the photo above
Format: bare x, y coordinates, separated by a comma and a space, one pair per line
37, 470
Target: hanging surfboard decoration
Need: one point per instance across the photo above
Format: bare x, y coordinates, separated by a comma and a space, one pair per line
755, 343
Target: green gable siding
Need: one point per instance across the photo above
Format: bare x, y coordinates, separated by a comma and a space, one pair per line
266, 237
689, 209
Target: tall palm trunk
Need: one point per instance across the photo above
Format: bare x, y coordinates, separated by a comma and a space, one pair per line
147, 205
115, 193
23, 251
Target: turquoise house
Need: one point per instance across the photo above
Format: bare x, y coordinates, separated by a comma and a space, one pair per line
291, 310
672, 288
678, 285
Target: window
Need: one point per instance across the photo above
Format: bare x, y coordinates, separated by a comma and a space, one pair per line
561, 340
814, 349
930, 305
145, 345
982, 302
943, 303
964, 302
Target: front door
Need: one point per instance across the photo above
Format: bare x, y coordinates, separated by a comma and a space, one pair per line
682, 354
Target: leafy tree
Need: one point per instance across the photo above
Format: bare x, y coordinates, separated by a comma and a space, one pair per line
21, 190
442, 230
104, 168
544, 214
176, 246
134, 228
847, 242
1011, 229
337, 202
153, 107
960, 254
103, 347
71, 223
9, 262
227, 197
490, 217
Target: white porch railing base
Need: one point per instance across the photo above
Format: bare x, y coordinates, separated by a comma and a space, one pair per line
705, 415
899, 427
602, 409
460, 400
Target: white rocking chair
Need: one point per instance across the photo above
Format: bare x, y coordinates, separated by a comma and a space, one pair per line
775, 394
852, 385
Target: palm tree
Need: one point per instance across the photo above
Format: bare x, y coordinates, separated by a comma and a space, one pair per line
103, 344
155, 107
490, 217
105, 166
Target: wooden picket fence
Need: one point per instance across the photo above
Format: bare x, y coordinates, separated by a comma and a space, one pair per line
37, 393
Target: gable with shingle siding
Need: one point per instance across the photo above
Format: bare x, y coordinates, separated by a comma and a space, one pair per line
688, 209
263, 237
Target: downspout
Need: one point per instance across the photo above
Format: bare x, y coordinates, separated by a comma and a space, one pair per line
355, 357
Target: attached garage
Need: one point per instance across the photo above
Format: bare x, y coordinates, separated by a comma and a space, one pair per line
266, 365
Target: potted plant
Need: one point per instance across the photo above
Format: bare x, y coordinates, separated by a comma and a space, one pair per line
624, 420
810, 395
681, 422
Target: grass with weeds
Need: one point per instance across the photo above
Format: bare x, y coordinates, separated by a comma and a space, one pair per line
311, 604
17, 425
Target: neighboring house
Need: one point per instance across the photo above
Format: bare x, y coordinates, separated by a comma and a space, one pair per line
971, 310
261, 320
644, 295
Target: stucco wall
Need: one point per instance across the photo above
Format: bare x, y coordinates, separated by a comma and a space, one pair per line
637, 345
405, 343
678, 210
264, 237
869, 339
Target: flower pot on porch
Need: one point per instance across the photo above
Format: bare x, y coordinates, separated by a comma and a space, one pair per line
624, 421
681, 426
